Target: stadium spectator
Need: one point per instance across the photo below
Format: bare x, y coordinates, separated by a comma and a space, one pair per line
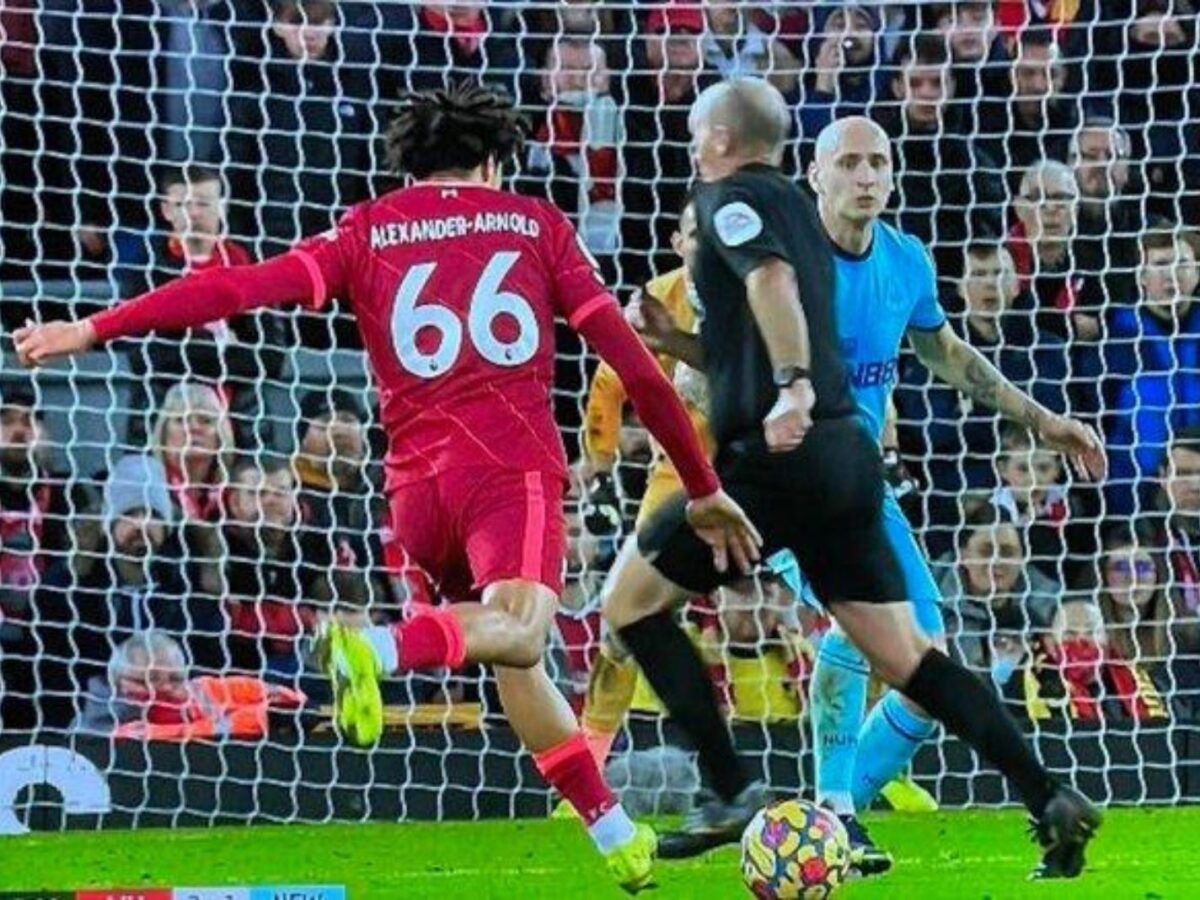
456, 41
1109, 217
20, 130
1074, 674
1133, 595
955, 440
201, 39
35, 517
1056, 521
658, 163
1041, 242
236, 355
1152, 363
981, 66
993, 604
145, 694
135, 584
947, 190
266, 582
843, 73
1177, 513
572, 156
1035, 120
337, 520
35, 508
193, 439
1149, 67
736, 44
759, 656
305, 127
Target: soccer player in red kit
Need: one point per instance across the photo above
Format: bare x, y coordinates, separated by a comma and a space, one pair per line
455, 286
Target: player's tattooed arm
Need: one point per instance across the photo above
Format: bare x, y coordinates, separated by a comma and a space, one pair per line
961, 366
958, 363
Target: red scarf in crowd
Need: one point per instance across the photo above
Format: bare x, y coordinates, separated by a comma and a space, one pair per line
1021, 251
468, 34
1090, 671
199, 502
561, 133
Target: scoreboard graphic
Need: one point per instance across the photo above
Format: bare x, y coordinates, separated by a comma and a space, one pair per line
268, 892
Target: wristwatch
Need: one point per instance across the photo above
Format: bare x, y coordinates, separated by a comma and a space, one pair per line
789, 375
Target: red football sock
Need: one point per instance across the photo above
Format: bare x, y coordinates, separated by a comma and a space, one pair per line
431, 639
572, 771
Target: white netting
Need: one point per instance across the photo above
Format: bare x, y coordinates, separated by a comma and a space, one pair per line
140, 138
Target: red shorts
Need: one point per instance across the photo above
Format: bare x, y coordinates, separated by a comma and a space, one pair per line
471, 527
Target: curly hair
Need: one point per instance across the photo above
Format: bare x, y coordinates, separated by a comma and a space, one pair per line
458, 128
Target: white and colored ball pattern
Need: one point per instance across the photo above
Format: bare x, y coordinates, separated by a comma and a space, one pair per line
794, 849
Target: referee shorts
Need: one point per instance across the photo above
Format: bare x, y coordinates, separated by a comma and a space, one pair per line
823, 501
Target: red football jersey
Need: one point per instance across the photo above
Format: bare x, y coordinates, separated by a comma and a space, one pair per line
455, 288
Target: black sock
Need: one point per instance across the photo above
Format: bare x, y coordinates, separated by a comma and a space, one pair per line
963, 703
675, 671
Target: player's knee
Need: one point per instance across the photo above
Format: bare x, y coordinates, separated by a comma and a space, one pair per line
902, 661
529, 649
528, 615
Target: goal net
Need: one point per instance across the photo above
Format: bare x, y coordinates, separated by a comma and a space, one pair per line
177, 512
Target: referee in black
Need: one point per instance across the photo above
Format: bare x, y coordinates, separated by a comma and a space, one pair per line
793, 452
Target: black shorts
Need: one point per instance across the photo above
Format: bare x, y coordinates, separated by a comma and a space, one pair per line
823, 501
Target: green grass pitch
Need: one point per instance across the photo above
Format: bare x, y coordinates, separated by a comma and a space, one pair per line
1140, 853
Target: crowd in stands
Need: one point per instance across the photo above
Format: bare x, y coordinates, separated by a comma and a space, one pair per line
1048, 155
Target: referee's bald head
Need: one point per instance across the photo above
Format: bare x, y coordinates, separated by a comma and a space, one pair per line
739, 121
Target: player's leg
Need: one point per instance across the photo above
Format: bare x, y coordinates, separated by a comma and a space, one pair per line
843, 548
545, 724
896, 726
639, 603
838, 695
909, 662
513, 522
612, 681
855, 759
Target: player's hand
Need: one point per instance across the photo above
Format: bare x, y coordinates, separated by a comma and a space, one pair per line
37, 345
897, 475
724, 526
650, 319
791, 417
602, 507
1078, 442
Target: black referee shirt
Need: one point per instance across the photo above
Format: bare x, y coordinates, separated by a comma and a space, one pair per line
744, 220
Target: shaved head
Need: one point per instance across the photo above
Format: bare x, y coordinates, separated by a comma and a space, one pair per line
850, 130
853, 179
750, 115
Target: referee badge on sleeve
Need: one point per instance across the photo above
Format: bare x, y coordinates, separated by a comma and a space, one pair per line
737, 223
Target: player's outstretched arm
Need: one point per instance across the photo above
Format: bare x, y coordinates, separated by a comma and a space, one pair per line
961, 366
188, 302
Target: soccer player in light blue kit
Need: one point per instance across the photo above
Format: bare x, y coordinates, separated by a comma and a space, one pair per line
886, 289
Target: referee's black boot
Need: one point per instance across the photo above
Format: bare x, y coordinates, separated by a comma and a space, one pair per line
713, 822
866, 858
1067, 824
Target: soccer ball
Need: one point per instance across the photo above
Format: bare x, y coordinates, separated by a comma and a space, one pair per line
794, 849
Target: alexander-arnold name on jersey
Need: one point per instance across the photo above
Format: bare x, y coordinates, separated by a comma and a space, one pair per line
418, 231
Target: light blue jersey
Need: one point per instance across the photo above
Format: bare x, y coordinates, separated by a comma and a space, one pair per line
880, 295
